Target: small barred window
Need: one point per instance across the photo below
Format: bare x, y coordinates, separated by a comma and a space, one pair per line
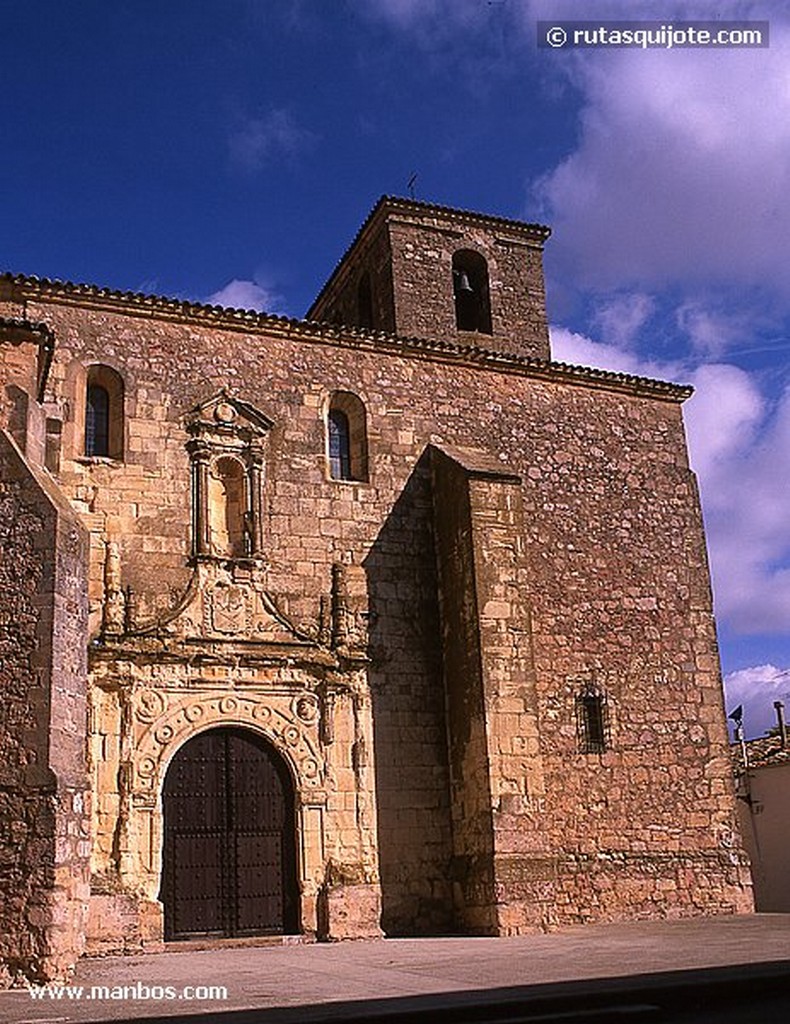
592, 720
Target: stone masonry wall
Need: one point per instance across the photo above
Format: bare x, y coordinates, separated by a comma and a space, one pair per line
44, 844
615, 576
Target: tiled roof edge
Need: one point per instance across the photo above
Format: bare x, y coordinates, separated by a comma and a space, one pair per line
251, 320
762, 752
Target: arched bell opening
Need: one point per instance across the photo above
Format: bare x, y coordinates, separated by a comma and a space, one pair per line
471, 292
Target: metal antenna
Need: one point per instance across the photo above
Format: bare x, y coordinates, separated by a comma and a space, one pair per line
410, 184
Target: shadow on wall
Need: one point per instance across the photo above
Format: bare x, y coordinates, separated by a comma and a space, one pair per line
409, 732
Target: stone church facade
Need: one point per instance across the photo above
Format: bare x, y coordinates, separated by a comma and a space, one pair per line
374, 622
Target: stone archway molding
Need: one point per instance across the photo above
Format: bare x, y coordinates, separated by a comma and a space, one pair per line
289, 724
169, 727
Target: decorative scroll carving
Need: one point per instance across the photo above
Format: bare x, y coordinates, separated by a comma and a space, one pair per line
164, 734
150, 705
305, 708
297, 744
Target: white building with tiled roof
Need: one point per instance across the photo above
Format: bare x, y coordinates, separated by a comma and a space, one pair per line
764, 810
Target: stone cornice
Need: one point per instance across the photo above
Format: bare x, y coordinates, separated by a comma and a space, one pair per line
34, 289
392, 204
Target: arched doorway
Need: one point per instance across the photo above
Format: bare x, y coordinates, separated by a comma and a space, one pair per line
229, 858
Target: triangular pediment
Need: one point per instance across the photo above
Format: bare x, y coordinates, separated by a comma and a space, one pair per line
224, 410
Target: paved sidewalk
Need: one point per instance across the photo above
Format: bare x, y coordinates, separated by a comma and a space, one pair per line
327, 978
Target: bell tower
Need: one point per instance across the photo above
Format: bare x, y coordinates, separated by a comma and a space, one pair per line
426, 271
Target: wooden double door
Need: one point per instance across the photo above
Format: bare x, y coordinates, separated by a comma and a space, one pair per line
229, 861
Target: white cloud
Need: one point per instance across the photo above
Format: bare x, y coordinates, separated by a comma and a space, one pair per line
756, 688
745, 496
570, 347
722, 418
711, 331
682, 169
239, 294
621, 317
258, 140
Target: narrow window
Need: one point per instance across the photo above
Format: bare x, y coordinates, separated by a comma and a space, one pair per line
104, 426
97, 421
365, 301
470, 292
347, 437
339, 445
592, 720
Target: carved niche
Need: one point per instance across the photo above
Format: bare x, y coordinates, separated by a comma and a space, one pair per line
227, 449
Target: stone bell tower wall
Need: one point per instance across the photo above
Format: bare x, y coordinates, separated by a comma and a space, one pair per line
406, 251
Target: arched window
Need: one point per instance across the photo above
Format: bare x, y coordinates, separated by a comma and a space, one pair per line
347, 441
470, 290
104, 413
97, 421
339, 445
227, 505
365, 301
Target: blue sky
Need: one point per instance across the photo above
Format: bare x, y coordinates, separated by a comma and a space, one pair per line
227, 150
